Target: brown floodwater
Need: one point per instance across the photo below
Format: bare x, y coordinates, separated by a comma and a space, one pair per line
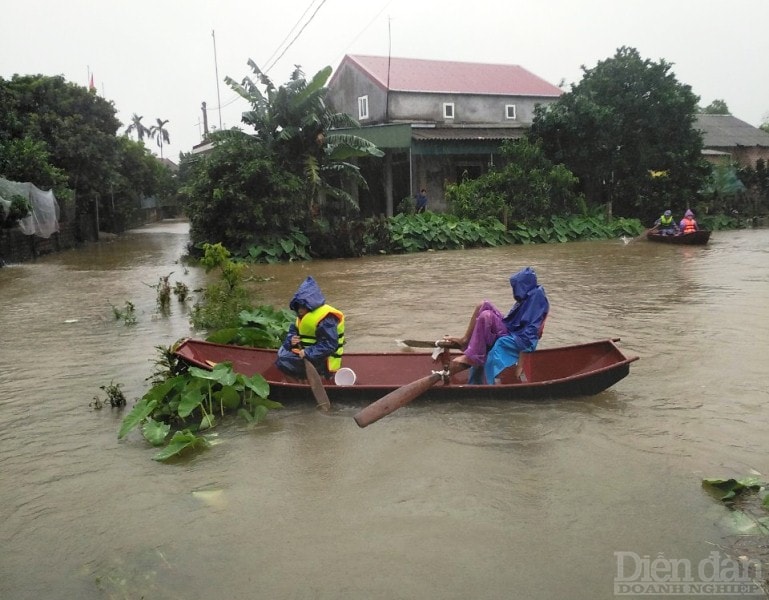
438, 500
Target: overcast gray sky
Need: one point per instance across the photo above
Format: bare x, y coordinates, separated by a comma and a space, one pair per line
155, 58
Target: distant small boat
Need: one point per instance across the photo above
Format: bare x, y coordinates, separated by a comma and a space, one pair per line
695, 238
566, 371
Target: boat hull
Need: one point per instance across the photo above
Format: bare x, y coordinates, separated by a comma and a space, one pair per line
695, 238
567, 371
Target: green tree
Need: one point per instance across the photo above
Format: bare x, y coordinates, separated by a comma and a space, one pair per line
73, 130
159, 133
236, 193
305, 137
717, 107
138, 174
525, 185
626, 131
137, 127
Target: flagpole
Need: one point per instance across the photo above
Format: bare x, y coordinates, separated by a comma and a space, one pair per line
216, 68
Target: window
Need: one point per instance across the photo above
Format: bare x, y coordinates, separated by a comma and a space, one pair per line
448, 110
510, 111
363, 107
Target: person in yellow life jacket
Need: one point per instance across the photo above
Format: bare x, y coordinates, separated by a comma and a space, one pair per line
317, 334
688, 224
666, 225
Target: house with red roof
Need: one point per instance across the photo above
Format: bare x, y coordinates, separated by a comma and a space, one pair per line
436, 121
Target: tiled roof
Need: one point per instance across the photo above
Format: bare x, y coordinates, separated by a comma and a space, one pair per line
726, 131
418, 75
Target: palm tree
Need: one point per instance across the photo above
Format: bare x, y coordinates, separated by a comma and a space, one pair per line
294, 122
137, 126
160, 134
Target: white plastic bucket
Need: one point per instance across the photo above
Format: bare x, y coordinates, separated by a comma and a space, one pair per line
344, 376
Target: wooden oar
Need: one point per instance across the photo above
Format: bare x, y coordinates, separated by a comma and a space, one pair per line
316, 384
396, 399
425, 344
648, 231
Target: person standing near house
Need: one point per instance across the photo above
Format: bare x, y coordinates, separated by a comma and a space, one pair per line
421, 201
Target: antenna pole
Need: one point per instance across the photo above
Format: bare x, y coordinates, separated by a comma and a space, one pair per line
216, 68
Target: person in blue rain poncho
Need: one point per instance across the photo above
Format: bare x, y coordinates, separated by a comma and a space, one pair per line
317, 334
494, 342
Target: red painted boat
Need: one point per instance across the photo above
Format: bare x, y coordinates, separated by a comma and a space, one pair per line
567, 371
695, 238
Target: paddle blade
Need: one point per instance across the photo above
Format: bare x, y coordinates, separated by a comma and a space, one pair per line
395, 399
316, 384
425, 344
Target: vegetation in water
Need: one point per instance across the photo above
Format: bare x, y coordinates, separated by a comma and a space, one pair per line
163, 288
223, 300
115, 396
127, 314
190, 401
747, 521
262, 327
183, 400
181, 290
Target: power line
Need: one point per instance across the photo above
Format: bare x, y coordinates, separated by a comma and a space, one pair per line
296, 36
306, 10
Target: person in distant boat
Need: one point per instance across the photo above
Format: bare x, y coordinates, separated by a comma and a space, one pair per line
317, 334
421, 204
688, 224
666, 225
493, 342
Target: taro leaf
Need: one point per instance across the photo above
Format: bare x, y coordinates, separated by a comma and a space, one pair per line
191, 399
246, 415
737, 522
260, 413
138, 413
228, 396
732, 486
256, 383
257, 416
180, 442
223, 336
160, 391
155, 432
247, 317
221, 373
207, 422
268, 404
249, 336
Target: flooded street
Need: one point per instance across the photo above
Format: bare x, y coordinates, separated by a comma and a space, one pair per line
492, 500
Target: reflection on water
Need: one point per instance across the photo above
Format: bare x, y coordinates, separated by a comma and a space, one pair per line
438, 500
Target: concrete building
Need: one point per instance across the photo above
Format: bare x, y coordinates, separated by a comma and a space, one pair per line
436, 121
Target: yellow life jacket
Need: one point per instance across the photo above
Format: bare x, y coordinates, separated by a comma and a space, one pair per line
308, 324
666, 221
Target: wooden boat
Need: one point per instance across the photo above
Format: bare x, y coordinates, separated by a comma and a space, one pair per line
695, 238
567, 371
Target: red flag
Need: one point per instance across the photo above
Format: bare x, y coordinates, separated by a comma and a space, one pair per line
91, 86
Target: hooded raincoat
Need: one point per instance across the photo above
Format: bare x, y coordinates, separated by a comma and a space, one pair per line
508, 336
321, 331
